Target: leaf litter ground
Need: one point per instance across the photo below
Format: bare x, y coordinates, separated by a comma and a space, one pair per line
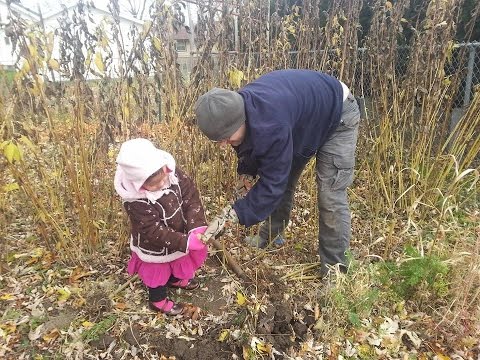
53, 311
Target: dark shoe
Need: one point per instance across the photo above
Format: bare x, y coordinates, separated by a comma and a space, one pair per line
191, 284
177, 308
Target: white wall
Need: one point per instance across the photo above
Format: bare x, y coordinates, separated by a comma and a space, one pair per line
6, 57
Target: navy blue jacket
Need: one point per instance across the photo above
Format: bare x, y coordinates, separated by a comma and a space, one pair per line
289, 116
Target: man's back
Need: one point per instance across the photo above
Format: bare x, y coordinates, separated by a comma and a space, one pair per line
308, 102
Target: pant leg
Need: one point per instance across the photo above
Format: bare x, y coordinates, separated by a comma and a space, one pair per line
157, 294
334, 173
278, 220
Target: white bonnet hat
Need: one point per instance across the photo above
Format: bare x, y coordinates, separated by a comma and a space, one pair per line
139, 158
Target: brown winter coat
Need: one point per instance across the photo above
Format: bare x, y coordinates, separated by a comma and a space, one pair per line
161, 228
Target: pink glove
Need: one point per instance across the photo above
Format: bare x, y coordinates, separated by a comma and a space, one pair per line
194, 243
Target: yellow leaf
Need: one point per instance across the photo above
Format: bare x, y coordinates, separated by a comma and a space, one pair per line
53, 64
111, 153
235, 77
99, 62
365, 351
264, 348
8, 327
223, 335
37, 252
7, 297
63, 294
87, 324
104, 42
126, 112
388, 5
88, 59
26, 67
12, 152
240, 298
10, 187
33, 51
157, 43
441, 356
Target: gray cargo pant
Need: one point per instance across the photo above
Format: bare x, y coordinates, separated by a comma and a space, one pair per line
335, 161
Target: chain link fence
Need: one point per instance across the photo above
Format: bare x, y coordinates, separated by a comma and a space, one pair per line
472, 73
465, 60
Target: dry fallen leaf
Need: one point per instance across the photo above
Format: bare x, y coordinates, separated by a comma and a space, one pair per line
191, 311
120, 306
79, 273
51, 336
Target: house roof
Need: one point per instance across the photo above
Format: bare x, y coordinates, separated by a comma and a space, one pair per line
98, 8
22, 10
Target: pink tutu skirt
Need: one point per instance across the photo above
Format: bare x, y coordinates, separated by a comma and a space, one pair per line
157, 274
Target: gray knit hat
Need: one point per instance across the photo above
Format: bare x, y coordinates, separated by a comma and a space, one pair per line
220, 113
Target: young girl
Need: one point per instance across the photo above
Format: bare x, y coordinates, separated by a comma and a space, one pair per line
167, 218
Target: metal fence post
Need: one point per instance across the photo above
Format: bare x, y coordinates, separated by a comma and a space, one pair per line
468, 82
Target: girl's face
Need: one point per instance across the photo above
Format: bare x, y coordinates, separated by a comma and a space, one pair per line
157, 181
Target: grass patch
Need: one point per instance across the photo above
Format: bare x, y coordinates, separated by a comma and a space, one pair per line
416, 273
7, 76
99, 329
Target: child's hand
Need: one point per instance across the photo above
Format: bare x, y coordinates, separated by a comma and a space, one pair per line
194, 242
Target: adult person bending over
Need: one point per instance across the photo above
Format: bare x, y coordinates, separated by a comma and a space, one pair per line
276, 124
